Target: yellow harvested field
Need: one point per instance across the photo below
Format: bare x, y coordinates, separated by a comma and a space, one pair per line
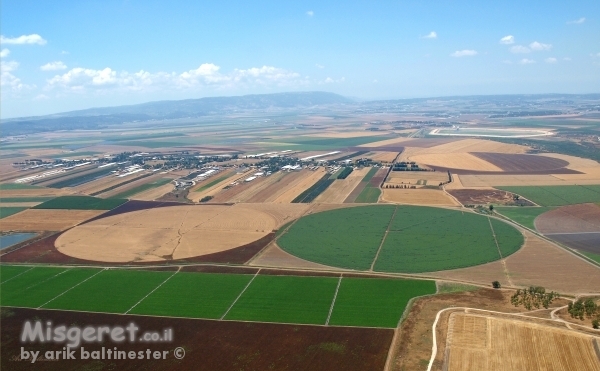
491, 343
476, 145
46, 220
196, 196
486, 181
418, 197
273, 256
299, 186
18, 204
339, 190
166, 233
282, 213
154, 193
412, 177
37, 192
465, 161
387, 142
257, 186
382, 156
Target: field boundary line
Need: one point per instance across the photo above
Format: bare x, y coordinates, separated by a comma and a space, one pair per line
333, 300
383, 239
49, 278
71, 288
240, 295
510, 282
17, 275
156, 288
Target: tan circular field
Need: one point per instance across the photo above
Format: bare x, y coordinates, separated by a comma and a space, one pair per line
166, 233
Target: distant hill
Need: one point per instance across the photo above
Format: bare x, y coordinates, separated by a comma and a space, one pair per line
98, 118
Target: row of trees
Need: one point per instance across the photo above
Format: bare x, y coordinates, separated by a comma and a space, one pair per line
586, 309
533, 297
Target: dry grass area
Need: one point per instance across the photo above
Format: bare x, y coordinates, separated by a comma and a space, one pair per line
387, 142
294, 190
281, 213
570, 219
341, 188
385, 157
166, 233
18, 204
236, 192
418, 197
154, 193
413, 177
46, 220
101, 184
474, 145
347, 134
485, 343
461, 160
37, 192
537, 263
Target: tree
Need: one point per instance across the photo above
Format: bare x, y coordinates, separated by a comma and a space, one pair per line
492, 208
596, 324
496, 284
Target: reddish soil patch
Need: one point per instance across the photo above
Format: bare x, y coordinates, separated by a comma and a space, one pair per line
570, 219
513, 162
355, 192
209, 345
379, 177
486, 196
43, 251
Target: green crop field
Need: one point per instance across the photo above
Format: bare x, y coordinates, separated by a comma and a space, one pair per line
347, 238
370, 174
8, 211
522, 214
420, 239
11, 186
206, 295
112, 291
280, 299
375, 302
591, 255
285, 299
81, 203
369, 195
141, 188
557, 195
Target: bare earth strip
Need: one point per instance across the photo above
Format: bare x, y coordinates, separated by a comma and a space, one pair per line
486, 181
46, 220
309, 178
387, 142
38, 192
166, 233
418, 197
465, 161
491, 343
341, 188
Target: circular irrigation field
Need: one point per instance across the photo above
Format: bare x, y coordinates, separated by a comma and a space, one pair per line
401, 239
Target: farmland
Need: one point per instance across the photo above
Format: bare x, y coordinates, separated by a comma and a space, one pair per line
557, 195
367, 191
8, 211
523, 215
399, 239
421, 196
46, 219
80, 203
264, 298
141, 188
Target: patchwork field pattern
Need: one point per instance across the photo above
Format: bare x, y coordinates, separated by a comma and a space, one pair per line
406, 239
486, 343
558, 195
46, 220
81, 203
369, 302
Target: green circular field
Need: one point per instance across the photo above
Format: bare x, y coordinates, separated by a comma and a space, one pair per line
418, 239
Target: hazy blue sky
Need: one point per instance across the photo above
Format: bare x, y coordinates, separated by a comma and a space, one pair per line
66, 55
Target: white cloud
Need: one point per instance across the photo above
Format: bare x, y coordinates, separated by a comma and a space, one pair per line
310, 13
507, 40
464, 53
519, 49
577, 21
526, 61
319, 66
550, 60
539, 46
23, 39
8, 81
329, 80
53, 66
4, 53
206, 75
431, 35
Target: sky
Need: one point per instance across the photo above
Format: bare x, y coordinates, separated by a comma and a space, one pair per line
66, 55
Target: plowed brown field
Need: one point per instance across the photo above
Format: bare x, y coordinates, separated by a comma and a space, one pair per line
570, 219
160, 234
46, 220
486, 343
511, 162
